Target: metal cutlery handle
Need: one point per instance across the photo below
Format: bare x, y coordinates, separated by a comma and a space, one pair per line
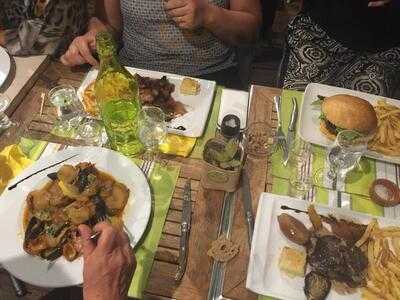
19, 287
250, 228
293, 118
277, 101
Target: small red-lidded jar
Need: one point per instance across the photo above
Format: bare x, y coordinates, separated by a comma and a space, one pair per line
385, 193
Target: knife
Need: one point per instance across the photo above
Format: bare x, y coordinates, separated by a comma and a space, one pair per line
291, 129
185, 230
246, 195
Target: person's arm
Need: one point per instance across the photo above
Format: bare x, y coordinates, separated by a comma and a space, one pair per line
237, 25
108, 17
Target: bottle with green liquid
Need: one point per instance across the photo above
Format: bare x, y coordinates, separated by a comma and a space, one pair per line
117, 96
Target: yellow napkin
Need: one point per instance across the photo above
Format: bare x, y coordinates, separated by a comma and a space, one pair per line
12, 162
178, 145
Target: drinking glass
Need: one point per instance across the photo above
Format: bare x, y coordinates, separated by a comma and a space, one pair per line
300, 165
346, 152
69, 109
5, 121
152, 129
91, 131
259, 140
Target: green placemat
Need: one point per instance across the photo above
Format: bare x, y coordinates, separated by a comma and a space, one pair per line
356, 185
211, 126
162, 183
357, 182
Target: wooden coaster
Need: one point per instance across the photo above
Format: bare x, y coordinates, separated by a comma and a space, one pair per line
223, 250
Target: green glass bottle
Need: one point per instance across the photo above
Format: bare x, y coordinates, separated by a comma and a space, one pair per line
117, 95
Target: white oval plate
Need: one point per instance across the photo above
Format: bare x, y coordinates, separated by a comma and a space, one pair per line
5, 65
35, 270
198, 106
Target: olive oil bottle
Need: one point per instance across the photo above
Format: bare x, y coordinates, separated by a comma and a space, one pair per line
117, 96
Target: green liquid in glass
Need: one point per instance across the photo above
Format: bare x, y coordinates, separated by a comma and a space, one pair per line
120, 120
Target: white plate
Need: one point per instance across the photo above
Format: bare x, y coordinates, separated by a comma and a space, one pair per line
197, 106
309, 116
5, 65
263, 275
63, 273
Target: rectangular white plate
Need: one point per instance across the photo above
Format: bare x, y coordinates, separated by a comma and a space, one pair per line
309, 116
197, 106
263, 274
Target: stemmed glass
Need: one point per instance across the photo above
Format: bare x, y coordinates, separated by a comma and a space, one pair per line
152, 130
65, 99
5, 121
344, 155
74, 122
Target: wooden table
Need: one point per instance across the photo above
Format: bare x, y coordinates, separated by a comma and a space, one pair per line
206, 210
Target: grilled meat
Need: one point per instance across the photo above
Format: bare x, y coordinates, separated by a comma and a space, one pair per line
347, 230
337, 260
316, 286
158, 92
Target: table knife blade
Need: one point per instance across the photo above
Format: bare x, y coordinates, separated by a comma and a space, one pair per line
247, 204
185, 230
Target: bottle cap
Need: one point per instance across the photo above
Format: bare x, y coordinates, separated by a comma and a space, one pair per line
230, 126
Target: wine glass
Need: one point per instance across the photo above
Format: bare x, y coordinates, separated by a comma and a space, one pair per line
152, 130
344, 155
5, 122
65, 99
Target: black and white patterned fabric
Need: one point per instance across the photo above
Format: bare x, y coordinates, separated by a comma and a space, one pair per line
151, 40
316, 57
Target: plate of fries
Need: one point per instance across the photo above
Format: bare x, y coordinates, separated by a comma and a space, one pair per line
382, 248
384, 146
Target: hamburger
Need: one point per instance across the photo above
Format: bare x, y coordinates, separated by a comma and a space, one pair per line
345, 112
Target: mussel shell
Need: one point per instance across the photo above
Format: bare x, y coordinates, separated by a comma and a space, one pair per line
316, 286
83, 180
52, 254
53, 176
101, 207
34, 229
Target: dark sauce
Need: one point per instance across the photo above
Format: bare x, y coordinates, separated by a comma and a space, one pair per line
284, 207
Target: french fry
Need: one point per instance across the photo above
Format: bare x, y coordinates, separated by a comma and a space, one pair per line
387, 137
367, 233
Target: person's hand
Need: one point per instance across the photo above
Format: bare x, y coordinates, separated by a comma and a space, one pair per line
81, 51
108, 266
378, 3
187, 14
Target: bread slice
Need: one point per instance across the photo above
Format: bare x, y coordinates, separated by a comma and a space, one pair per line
190, 86
350, 112
292, 262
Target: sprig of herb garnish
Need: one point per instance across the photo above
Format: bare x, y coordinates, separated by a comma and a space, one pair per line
319, 101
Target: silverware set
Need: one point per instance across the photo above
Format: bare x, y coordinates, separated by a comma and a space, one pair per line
284, 142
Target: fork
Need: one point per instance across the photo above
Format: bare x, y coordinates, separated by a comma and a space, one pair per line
280, 136
146, 167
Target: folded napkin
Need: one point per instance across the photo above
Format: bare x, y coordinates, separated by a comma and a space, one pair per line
15, 158
12, 162
162, 182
